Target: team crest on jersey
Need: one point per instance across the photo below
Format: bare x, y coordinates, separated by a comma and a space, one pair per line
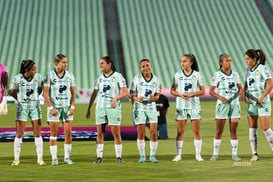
194, 77
114, 79
155, 84
257, 72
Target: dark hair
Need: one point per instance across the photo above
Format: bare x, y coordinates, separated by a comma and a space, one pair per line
26, 65
258, 54
58, 58
144, 59
192, 58
109, 60
222, 57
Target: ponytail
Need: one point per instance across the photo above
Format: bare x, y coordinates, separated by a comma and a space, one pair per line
258, 54
192, 58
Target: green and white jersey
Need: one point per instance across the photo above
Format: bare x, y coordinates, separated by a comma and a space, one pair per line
108, 88
59, 88
141, 87
256, 82
226, 85
27, 90
188, 83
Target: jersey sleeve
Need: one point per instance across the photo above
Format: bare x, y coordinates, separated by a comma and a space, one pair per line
237, 78
201, 81
72, 80
121, 81
15, 83
96, 87
214, 80
266, 73
40, 80
47, 80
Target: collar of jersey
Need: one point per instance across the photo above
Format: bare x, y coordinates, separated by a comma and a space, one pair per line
145, 78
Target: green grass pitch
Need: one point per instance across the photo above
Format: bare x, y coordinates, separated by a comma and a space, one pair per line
83, 153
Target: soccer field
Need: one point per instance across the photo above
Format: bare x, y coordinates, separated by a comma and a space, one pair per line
188, 169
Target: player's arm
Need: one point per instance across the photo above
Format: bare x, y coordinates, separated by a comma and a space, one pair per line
73, 100
91, 101
241, 90
198, 93
53, 112
174, 91
122, 93
5, 82
14, 93
217, 96
154, 98
266, 92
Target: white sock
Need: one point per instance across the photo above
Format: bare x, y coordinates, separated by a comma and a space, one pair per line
253, 140
141, 147
216, 146
39, 146
99, 150
179, 146
198, 146
269, 136
234, 146
67, 150
17, 148
118, 149
153, 147
53, 151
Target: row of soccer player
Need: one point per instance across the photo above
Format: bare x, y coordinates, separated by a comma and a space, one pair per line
59, 93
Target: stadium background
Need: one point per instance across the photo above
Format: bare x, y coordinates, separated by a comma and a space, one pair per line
129, 30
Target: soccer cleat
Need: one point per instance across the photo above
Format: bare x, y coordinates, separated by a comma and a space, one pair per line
235, 158
214, 157
153, 159
177, 158
55, 162
120, 160
98, 160
254, 157
199, 158
41, 162
15, 162
142, 159
68, 161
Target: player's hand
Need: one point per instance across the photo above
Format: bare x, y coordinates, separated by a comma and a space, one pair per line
259, 102
4, 106
184, 96
140, 99
224, 100
114, 103
87, 115
247, 100
53, 112
71, 112
241, 94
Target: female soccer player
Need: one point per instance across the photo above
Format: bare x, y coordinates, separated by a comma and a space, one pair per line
187, 86
4, 89
228, 107
258, 85
145, 91
111, 87
60, 97
26, 88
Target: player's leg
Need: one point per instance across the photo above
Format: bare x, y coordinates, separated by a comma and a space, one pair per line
220, 125
38, 140
197, 139
233, 125
54, 127
153, 141
179, 139
68, 141
20, 127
